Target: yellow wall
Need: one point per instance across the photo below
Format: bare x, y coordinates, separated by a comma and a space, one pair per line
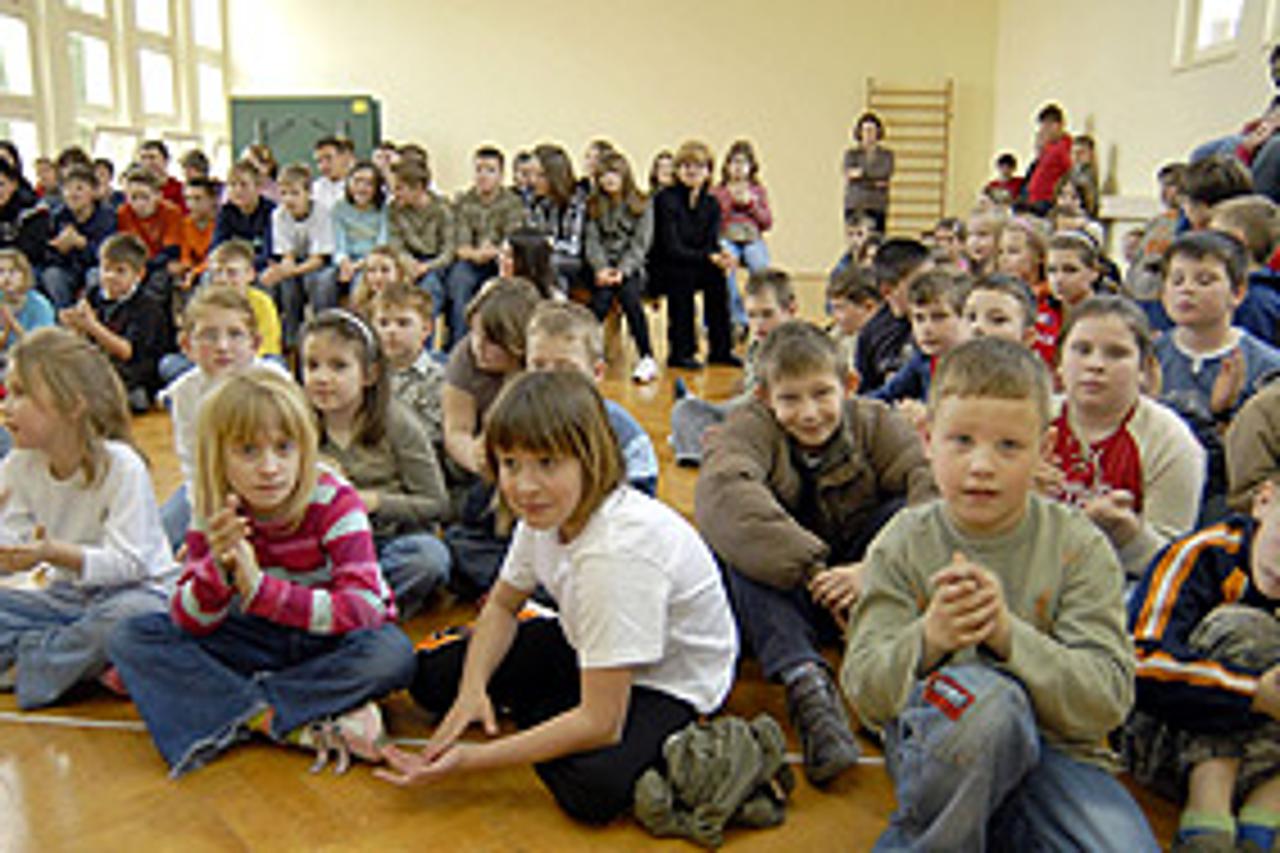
1110, 65
790, 76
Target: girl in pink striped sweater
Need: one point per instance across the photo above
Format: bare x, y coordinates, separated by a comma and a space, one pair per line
281, 623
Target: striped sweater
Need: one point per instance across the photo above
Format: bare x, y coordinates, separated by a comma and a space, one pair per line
321, 577
1191, 577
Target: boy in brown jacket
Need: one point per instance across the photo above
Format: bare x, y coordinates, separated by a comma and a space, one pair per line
793, 487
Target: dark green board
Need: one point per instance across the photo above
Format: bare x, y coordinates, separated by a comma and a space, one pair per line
291, 125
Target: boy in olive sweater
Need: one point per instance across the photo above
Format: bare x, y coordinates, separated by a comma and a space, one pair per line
989, 641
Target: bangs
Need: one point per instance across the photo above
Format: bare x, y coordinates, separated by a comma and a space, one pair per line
535, 424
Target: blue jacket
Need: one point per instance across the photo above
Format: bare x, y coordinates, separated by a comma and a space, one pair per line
1183, 584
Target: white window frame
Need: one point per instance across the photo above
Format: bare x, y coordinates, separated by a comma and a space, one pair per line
61, 121
1185, 52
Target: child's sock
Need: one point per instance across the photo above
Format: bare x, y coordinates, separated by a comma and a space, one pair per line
1258, 826
1203, 823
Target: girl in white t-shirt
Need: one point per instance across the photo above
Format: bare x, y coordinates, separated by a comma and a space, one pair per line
77, 506
644, 640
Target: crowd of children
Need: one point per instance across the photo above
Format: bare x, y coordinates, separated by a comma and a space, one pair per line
1032, 503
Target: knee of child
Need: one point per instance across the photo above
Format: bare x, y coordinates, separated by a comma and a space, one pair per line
592, 798
1238, 635
136, 630
990, 711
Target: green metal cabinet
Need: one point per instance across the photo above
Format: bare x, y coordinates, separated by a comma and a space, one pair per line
291, 125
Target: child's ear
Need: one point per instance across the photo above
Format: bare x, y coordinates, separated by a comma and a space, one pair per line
373, 374
1029, 336
597, 370
1263, 497
184, 343
762, 394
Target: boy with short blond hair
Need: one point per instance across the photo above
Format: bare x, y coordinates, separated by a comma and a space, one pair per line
989, 643
128, 322
231, 265
402, 315
299, 272
567, 336
936, 301
1253, 220
1206, 622
794, 485
219, 335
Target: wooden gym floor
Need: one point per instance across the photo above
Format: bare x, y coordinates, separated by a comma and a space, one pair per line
85, 776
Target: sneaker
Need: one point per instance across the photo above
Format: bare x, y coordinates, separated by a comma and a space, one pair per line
646, 370
818, 713
359, 733
679, 389
1204, 841
9, 679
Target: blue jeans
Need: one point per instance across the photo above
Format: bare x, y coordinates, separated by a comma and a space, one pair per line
433, 284
414, 564
463, 281
195, 692
58, 636
755, 256
175, 516
318, 288
971, 772
1222, 147
63, 286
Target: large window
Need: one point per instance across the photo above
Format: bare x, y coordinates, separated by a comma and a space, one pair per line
1208, 29
108, 73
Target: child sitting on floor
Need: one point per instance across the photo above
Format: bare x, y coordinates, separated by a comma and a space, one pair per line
381, 448
644, 642
794, 485
989, 642
79, 507
1207, 723
281, 619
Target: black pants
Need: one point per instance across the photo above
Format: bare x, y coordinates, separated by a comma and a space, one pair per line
682, 282
539, 679
628, 295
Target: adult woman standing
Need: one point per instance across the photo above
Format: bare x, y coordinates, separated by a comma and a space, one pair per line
868, 166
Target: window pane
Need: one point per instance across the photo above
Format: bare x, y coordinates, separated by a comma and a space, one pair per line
152, 15
119, 148
206, 21
155, 73
89, 7
90, 70
213, 100
21, 133
15, 57
1218, 22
